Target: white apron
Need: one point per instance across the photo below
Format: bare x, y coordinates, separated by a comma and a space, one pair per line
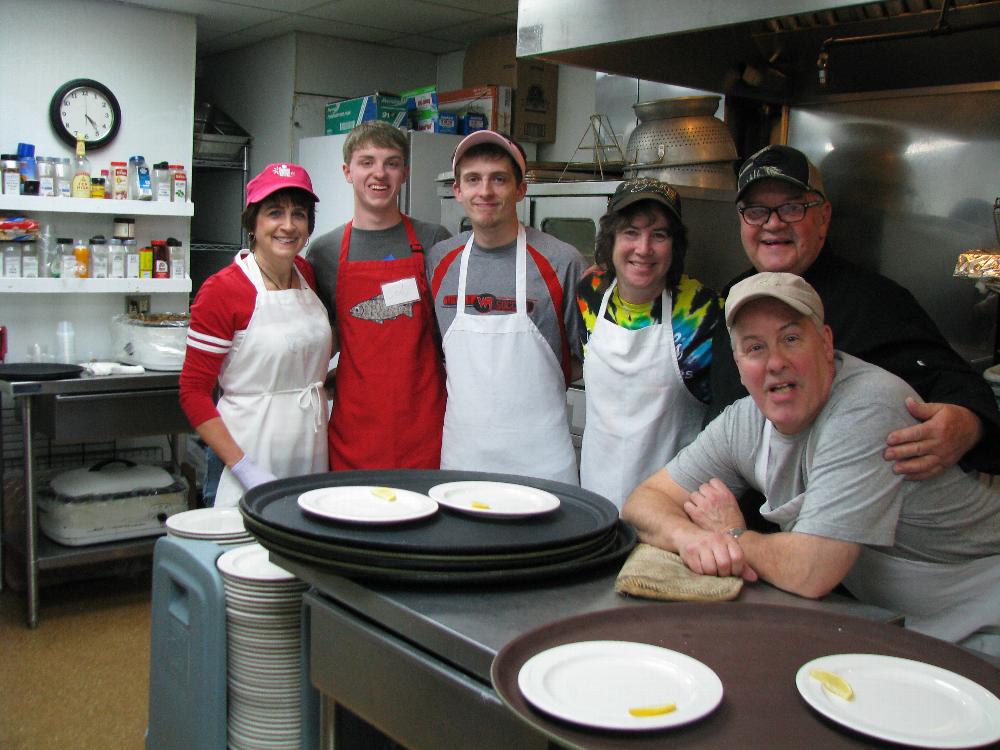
639, 411
273, 402
506, 409
951, 601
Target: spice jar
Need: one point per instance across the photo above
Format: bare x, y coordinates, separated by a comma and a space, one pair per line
146, 263
11, 174
97, 187
45, 167
131, 259
81, 253
123, 228
64, 262
64, 177
118, 187
98, 257
12, 260
161, 259
116, 259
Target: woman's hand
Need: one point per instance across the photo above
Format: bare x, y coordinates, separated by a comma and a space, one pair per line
250, 474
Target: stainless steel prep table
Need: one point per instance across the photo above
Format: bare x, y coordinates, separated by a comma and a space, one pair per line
415, 662
78, 410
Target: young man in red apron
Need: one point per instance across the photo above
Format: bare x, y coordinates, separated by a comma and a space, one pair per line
388, 408
505, 304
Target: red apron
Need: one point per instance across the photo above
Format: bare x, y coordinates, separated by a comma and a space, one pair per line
388, 410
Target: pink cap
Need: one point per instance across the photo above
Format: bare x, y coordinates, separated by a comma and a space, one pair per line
489, 136
277, 177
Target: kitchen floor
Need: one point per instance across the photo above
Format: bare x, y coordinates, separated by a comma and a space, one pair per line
81, 678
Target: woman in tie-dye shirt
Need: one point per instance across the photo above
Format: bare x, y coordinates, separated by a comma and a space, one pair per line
647, 383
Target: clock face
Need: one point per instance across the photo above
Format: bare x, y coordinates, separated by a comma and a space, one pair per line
85, 109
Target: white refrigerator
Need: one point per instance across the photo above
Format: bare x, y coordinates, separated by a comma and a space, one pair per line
323, 157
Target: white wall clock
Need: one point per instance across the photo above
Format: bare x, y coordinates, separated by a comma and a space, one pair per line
85, 108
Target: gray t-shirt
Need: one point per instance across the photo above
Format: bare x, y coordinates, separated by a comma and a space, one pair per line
836, 474
490, 288
366, 244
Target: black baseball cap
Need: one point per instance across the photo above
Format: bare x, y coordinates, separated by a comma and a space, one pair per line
779, 163
645, 189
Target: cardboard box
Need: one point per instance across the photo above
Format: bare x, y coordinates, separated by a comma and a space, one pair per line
493, 102
424, 99
535, 85
344, 116
436, 122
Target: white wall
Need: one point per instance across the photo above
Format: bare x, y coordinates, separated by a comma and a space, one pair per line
577, 101
255, 85
152, 76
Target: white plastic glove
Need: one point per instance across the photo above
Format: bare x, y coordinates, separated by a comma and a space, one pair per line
250, 474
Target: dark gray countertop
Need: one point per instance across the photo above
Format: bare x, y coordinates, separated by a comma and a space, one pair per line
467, 626
90, 384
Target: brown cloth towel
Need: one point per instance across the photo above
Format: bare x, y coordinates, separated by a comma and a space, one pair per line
654, 573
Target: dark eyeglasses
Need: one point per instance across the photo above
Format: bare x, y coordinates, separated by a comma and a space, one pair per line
790, 213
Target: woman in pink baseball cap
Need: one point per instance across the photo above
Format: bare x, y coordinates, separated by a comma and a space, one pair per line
259, 331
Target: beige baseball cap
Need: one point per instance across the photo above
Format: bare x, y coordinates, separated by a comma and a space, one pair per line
793, 290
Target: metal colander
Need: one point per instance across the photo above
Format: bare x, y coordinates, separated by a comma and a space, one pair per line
680, 141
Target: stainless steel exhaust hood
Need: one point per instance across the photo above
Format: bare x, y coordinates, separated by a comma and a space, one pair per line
772, 50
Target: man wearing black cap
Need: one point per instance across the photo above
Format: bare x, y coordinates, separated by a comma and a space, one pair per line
784, 221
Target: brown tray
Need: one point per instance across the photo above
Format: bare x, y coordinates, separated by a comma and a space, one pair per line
755, 649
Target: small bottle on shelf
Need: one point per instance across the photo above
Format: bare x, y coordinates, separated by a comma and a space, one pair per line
116, 258
81, 172
178, 183
30, 268
131, 258
98, 257
81, 252
178, 267
64, 262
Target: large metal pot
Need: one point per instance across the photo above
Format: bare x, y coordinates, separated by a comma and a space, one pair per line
680, 141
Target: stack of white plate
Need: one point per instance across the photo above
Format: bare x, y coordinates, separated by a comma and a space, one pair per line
263, 615
220, 525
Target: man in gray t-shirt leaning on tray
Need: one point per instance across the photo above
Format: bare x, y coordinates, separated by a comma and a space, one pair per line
810, 438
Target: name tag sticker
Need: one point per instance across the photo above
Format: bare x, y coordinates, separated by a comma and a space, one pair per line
400, 292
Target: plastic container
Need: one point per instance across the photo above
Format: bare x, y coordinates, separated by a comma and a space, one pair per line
146, 263
123, 228
12, 260
139, 181
64, 177
131, 259
46, 168
98, 257
118, 185
30, 267
178, 263
46, 249
64, 262
161, 259
116, 258
11, 174
97, 187
161, 181
81, 252
178, 183
65, 342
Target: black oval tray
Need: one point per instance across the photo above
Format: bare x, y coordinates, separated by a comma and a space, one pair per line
581, 516
615, 553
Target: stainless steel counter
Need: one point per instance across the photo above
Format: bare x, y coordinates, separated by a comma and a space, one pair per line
83, 409
426, 649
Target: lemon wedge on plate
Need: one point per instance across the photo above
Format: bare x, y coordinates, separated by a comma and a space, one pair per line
833, 682
480, 506
384, 492
666, 708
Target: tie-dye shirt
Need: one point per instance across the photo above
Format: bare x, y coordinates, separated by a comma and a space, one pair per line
697, 310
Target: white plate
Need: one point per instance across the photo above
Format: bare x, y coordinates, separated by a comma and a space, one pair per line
208, 522
250, 563
595, 683
504, 499
904, 701
360, 505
